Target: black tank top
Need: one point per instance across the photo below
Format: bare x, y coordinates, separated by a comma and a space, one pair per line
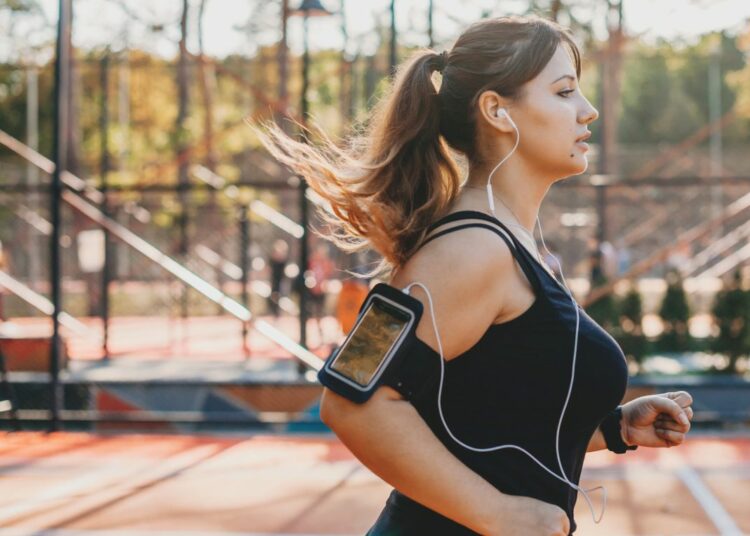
511, 385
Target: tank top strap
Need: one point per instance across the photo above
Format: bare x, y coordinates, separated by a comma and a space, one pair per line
496, 226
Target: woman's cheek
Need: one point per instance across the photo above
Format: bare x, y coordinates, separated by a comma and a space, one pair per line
551, 151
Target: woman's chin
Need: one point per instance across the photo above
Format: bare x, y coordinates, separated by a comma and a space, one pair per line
578, 167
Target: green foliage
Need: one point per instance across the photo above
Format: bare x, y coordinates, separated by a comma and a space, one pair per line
665, 88
675, 313
645, 95
731, 313
694, 68
604, 310
13, 87
20, 6
629, 333
622, 319
664, 98
678, 120
631, 307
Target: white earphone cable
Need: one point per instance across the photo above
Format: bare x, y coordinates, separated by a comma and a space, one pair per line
564, 477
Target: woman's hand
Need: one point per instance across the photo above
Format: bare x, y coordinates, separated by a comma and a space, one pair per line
530, 517
657, 420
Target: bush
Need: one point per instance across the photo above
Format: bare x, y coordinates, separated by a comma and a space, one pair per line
629, 332
675, 313
603, 310
731, 313
622, 318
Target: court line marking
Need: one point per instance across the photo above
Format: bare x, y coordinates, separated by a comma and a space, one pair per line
708, 501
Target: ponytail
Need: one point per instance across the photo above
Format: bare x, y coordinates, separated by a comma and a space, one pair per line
390, 182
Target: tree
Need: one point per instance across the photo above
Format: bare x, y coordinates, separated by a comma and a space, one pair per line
645, 95
731, 313
630, 332
694, 66
603, 310
665, 88
182, 144
675, 313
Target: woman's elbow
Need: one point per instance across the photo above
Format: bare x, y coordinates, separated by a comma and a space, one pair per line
327, 406
334, 407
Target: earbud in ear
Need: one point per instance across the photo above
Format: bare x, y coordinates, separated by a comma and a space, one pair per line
502, 112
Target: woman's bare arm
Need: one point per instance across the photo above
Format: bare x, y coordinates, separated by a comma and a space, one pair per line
390, 438
387, 433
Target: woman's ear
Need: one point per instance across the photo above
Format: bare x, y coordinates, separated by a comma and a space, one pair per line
493, 109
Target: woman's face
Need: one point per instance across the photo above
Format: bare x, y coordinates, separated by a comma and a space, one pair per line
552, 116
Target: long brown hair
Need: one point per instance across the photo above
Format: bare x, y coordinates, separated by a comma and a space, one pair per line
398, 175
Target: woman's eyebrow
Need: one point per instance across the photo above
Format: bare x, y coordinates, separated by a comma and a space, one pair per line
572, 78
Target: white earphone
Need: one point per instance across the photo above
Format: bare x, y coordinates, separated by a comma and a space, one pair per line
503, 112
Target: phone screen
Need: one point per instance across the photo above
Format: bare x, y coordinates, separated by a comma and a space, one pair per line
371, 342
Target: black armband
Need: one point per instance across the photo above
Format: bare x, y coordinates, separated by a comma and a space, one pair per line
382, 349
611, 430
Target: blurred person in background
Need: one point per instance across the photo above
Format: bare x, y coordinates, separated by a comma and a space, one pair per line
623, 257
277, 262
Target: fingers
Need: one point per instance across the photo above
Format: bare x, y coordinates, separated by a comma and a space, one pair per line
665, 416
669, 424
673, 422
682, 398
666, 404
670, 437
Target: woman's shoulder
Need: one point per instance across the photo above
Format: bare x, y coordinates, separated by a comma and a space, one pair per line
464, 245
465, 272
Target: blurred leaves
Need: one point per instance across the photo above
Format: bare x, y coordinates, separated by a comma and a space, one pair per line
664, 86
665, 95
20, 5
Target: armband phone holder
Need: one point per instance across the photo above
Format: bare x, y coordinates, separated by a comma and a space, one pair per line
374, 349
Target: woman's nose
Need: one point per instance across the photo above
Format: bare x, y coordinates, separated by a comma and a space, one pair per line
590, 115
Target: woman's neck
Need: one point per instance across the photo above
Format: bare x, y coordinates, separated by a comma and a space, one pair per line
476, 199
519, 190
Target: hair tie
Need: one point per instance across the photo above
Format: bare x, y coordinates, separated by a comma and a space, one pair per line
442, 61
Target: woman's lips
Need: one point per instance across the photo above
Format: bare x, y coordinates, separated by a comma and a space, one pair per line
582, 145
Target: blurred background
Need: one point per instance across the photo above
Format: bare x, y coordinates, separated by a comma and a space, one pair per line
174, 247
166, 302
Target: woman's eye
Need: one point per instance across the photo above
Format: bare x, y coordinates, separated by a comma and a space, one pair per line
566, 92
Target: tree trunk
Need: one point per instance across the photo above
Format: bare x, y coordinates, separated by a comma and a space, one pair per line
283, 62
611, 87
345, 76
181, 144
208, 85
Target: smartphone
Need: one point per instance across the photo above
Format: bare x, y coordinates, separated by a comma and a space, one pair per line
372, 342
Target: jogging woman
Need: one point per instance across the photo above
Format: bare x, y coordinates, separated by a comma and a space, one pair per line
518, 383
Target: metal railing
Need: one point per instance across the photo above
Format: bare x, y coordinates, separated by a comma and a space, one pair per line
74, 196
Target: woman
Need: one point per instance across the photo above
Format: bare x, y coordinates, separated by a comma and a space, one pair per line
509, 102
